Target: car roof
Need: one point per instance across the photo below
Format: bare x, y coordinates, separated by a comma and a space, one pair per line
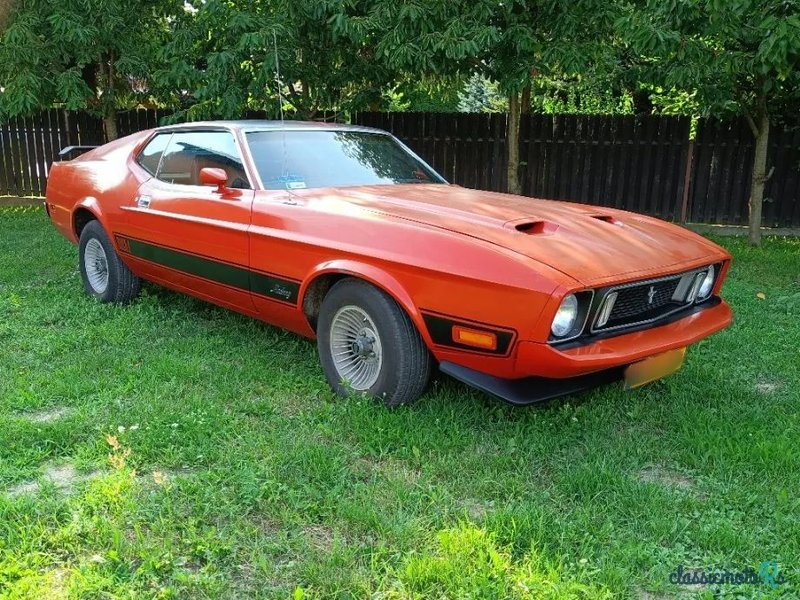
265, 125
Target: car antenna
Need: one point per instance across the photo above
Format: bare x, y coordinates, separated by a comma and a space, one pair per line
280, 106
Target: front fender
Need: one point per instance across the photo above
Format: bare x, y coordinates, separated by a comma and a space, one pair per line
374, 275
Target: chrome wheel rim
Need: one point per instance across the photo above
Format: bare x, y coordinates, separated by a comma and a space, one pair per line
356, 348
96, 265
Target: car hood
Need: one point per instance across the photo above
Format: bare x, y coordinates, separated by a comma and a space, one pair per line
591, 244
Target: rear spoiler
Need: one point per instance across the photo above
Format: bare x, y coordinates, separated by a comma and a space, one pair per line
71, 152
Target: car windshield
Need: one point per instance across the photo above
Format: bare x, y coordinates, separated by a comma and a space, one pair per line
294, 159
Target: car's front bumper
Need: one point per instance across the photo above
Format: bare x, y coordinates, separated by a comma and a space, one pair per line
542, 371
605, 353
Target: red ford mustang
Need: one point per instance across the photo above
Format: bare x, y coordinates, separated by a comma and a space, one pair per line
343, 234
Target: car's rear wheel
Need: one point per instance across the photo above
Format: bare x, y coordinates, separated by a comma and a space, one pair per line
104, 275
368, 344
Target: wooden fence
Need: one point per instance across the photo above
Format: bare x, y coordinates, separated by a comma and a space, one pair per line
29, 145
645, 164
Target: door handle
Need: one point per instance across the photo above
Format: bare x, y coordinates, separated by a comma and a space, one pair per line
143, 201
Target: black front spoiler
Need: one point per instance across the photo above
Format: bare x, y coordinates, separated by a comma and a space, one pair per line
530, 390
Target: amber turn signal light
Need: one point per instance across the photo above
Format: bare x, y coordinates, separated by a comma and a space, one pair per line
485, 340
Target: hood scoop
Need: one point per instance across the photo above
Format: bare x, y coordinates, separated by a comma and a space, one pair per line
608, 219
533, 227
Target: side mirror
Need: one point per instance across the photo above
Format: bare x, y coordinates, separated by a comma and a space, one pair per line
212, 176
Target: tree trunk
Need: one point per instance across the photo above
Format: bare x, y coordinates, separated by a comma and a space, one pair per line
105, 99
110, 125
105, 72
525, 107
512, 144
759, 179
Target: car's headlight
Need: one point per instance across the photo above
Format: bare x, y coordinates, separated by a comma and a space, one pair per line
707, 285
566, 316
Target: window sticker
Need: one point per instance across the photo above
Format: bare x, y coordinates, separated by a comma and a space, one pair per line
292, 181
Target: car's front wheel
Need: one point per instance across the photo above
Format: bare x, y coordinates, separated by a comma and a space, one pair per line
104, 275
368, 344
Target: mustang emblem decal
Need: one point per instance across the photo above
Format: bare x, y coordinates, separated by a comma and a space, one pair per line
651, 294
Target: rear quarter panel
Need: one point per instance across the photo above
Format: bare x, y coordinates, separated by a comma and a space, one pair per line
99, 181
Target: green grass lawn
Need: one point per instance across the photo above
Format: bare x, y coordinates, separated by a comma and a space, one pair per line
173, 449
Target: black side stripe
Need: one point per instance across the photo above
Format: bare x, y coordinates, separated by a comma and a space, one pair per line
271, 286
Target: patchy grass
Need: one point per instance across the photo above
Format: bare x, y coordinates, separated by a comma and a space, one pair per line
208, 459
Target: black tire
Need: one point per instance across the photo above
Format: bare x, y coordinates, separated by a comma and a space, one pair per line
122, 286
406, 363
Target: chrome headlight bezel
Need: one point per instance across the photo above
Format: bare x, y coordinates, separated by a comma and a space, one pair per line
707, 285
578, 304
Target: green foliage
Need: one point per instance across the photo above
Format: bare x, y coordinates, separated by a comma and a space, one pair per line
94, 54
217, 58
431, 93
579, 95
507, 42
725, 54
224, 54
673, 101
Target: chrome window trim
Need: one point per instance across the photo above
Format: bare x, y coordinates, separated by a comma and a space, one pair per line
204, 129
138, 156
693, 273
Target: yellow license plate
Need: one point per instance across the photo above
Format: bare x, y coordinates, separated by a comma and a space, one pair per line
653, 368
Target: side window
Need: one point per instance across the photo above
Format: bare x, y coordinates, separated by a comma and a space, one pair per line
189, 152
150, 156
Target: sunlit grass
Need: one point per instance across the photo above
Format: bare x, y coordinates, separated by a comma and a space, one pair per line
211, 460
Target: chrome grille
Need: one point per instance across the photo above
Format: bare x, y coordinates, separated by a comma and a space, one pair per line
645, 301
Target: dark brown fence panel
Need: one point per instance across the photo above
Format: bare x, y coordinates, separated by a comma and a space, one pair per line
625, 162
721, 175
720, 186
140, 119
782, 205
634, 163
468, 149
7, 170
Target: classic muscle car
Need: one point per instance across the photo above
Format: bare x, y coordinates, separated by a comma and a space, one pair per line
343, 234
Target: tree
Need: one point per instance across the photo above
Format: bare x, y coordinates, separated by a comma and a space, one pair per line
735, 56
508, 42
479, 95
544, 39
79, 54
223, 58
